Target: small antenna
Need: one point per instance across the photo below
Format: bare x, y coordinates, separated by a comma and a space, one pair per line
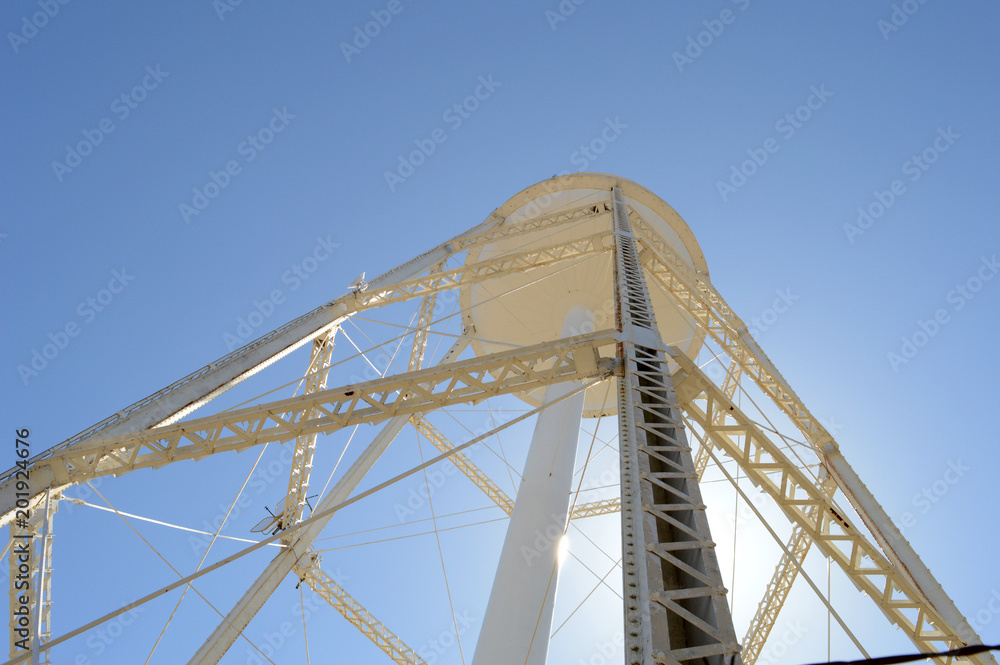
273, 522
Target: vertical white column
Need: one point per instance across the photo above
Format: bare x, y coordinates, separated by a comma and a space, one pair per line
36, 641
518, 617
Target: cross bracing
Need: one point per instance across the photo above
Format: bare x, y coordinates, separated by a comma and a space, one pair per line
332, 409
657, 408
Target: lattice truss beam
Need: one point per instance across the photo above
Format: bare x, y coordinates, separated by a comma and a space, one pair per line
468, 381
810, 508
184, 396
505, 264
308, 567
329, 590
675, 602
151, 433
88, 455
776, 592
31, 544
490, 488
700, 300
305, 445
352, 610
339, 599
791, 561
724, 327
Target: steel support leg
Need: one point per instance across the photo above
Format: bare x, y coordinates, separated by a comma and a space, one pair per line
31, 581
675, 602
518, 617
239, 617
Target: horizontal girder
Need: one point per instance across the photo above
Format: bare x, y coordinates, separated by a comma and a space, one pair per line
150, 433
578, 214
504, 264
184, 396
468, 381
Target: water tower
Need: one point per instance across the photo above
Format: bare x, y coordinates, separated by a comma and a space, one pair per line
585, 296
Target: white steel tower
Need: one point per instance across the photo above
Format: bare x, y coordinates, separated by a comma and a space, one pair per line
585, 296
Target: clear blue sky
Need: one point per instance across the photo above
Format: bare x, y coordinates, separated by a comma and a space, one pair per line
120, 120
